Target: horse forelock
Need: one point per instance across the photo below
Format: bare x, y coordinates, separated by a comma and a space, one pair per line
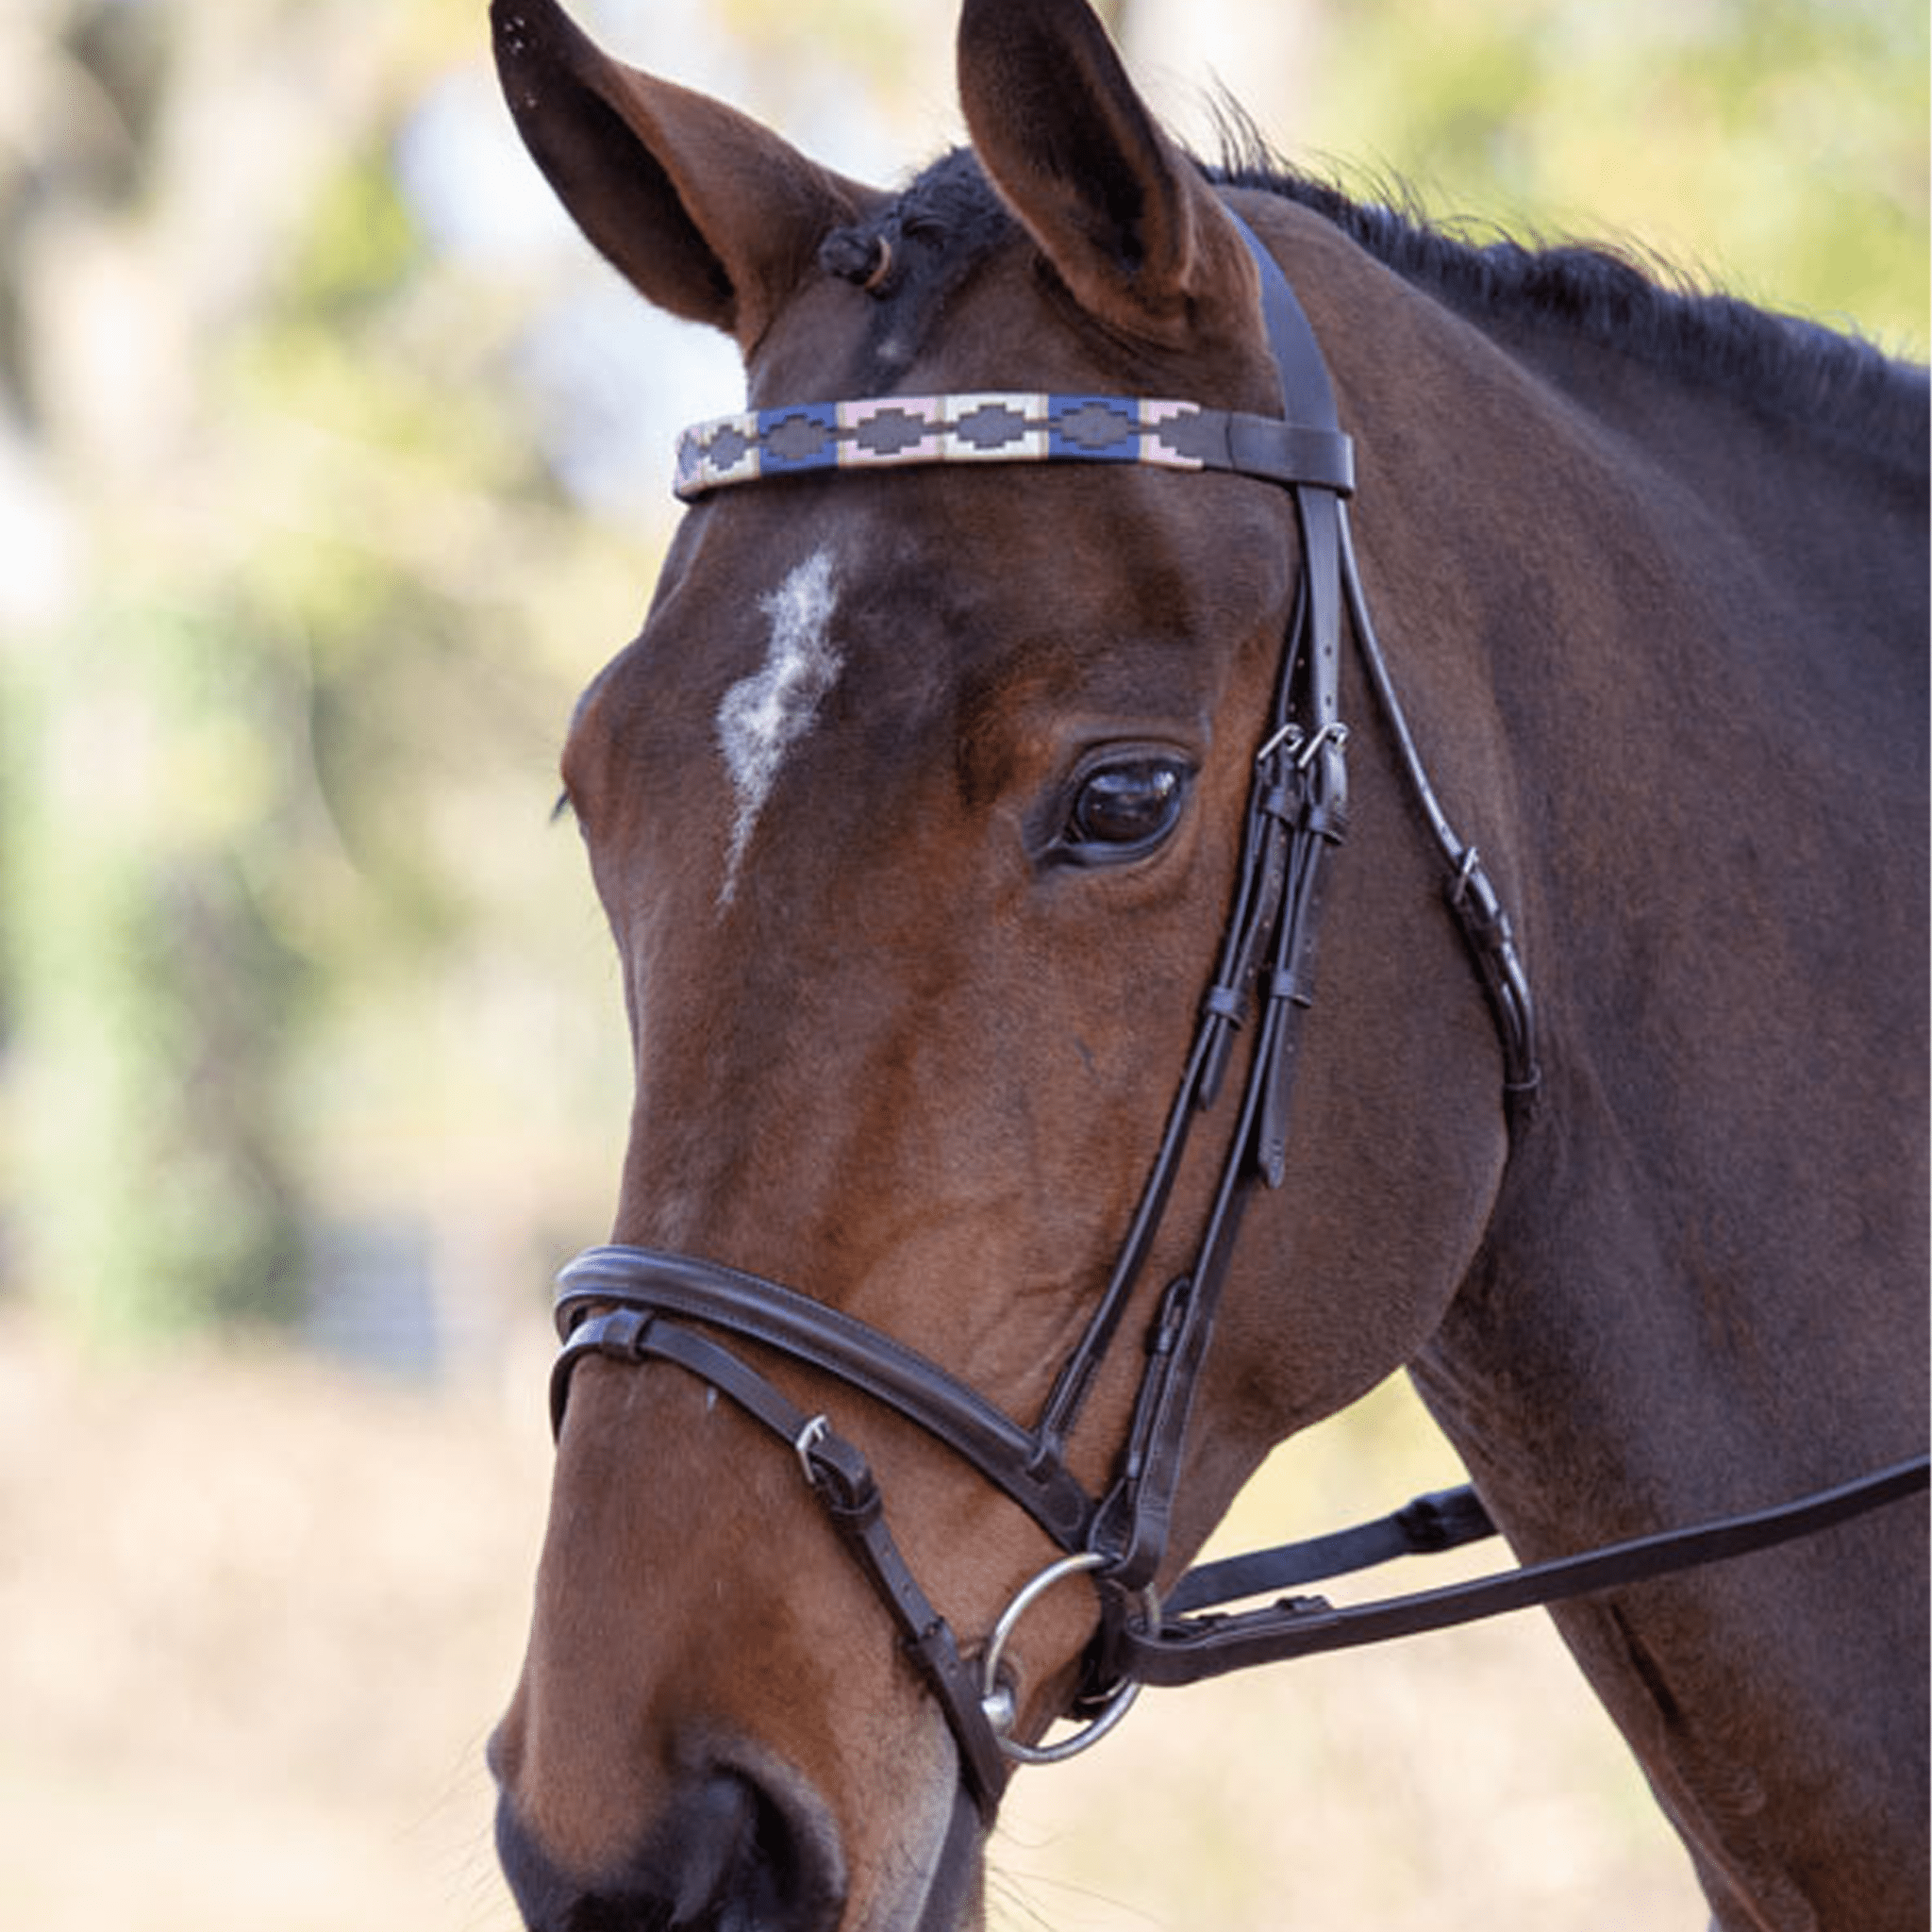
949, 206
911, 254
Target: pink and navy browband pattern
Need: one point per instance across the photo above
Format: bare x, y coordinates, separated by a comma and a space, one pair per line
885, 432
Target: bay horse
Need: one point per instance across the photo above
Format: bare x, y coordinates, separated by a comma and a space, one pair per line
963, 812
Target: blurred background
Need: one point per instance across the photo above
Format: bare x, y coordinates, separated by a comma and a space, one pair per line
331, 465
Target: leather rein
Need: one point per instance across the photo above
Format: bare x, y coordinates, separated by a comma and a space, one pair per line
634, 1305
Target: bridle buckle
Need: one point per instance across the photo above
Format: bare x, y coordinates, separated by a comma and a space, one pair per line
815, 1432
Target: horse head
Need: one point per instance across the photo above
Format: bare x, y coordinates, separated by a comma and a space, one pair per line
915, 808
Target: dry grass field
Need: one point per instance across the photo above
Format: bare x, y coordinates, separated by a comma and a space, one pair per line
257, 1614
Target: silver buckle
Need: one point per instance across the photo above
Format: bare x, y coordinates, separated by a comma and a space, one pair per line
808, 1438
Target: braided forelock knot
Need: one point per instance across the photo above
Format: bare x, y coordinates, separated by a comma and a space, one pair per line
862, 256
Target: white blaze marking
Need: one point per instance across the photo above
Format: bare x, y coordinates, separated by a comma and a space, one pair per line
764, 715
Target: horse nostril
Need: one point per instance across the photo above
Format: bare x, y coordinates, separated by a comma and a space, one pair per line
734, 1851
753, 1851
725, 1866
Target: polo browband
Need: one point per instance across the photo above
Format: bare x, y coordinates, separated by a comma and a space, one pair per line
634, 1303
999, 426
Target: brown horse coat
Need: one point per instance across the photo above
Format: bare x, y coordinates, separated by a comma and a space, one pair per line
1652, 573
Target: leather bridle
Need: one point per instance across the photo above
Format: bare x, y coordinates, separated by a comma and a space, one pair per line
633, 1304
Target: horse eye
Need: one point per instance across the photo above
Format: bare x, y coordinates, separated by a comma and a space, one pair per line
1124, 808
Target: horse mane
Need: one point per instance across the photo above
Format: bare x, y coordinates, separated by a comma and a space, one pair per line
1838, 382
1840, 385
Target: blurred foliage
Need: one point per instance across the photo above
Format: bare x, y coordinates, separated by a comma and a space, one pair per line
1778, 147
280, 692
309, 542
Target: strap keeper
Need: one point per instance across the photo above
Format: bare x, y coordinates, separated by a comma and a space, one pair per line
1290, 984
1443, 1519
853, 1510
842, 1479
1226, 1001
1327, 821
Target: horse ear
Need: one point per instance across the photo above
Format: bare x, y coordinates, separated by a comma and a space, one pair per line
702, 210
1126, 219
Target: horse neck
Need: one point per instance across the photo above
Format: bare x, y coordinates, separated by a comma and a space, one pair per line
1810, 448
1693, 665
1702, 641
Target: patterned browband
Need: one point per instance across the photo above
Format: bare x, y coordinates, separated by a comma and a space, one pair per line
884, 432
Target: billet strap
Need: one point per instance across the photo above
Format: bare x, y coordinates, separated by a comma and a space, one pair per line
842, 1479
897, 432
1187, 1649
